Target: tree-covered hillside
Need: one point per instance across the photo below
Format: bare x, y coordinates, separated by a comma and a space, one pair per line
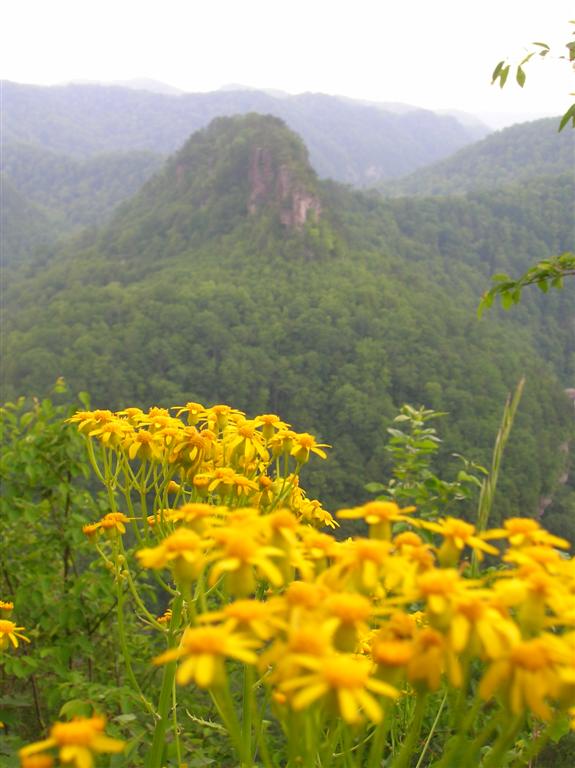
516, 154
236, 276
83, 192
348, 141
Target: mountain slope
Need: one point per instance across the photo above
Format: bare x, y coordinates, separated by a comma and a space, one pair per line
348, 141
79, 192
235, 275
515, 154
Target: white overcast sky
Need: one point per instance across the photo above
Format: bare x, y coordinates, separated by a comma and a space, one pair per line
437, 54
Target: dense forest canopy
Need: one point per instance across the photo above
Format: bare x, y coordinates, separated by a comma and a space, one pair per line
207, 286
519, 153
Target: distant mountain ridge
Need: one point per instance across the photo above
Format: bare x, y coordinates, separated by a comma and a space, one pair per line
348, 141
515, 154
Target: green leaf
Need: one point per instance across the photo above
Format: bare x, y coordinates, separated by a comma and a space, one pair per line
520, 76
374, 487
507, 300
497, 71
503, 76
569, 115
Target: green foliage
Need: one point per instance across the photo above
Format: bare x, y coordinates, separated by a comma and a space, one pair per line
523, 152
548, 273
541, 50
187, 296
46, 571
413, 481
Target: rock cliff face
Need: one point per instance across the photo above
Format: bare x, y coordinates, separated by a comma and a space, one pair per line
275, 184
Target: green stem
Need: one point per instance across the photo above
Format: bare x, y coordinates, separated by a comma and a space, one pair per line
379, 741
431, 731
226, 709
175, 722
247, 714
406, 752
120, 598
154, 759
505, 740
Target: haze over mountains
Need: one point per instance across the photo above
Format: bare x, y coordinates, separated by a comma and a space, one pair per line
235, 274
348, 141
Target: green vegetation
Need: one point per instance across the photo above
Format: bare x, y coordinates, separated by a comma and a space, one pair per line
80, 192
520, 153
348, 141
334, 324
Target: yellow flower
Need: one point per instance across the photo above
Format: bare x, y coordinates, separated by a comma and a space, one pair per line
196, 516
205, 649
112, 433
457, 534
523, 531
113, 523
347, 614
345, 683
431, 657
361, 564
478, 625
252, 617
195, 411
218, 416
144, 445
312, 512
244, 440
391, 657
9, 633
241, 557
37, 761
379, 515
305, 443
439, 587
6, 608
77, 741
271, 424
88, 420
528, 675
182, 550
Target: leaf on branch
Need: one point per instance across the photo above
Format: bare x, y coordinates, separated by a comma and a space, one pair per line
520, 76
569, 115
497, 71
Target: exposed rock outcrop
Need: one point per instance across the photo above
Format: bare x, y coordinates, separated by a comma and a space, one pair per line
276, 185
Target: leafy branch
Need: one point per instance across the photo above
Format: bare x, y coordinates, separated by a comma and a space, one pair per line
548, 273
541, 50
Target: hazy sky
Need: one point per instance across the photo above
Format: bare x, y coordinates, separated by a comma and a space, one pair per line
433, 53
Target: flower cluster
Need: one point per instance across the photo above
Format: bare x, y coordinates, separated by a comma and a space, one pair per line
336, 630
219, 456
347, 622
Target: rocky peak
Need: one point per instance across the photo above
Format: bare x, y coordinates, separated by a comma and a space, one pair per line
275, 183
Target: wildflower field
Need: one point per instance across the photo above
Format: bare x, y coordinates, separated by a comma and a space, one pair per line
210, 613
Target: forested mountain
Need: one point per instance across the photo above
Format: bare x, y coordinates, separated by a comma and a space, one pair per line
80, 192
518, 153
235, 275
26, 227
348, 141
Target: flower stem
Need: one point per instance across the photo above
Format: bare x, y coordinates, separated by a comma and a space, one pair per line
154, 759
406, 752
